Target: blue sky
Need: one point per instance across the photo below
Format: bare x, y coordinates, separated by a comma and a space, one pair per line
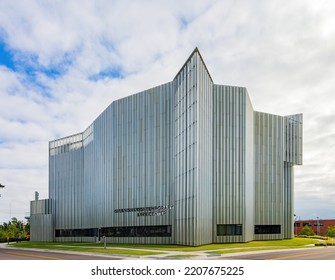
6, 57
63, 62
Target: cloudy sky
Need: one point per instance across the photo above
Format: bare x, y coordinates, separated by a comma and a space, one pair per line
63, 62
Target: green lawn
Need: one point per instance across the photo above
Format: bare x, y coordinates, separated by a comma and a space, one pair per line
144, 250
83, 247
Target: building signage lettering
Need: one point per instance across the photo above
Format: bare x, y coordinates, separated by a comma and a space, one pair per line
146, 211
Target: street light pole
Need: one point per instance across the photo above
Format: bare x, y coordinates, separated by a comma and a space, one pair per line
1, 186
317, 226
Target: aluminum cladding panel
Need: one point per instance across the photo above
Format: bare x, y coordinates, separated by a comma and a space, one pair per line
192, 153
293, 139
269, 174
127, 165
66, 187
233, 157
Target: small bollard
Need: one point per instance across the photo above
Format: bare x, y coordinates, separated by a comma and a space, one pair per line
104, 238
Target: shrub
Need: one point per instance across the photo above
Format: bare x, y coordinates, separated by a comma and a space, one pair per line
330, 231
306, 230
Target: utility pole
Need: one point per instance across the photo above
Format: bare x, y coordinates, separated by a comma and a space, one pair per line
295, 225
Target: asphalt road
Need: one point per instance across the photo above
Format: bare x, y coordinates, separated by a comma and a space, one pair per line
319, 253
17, 254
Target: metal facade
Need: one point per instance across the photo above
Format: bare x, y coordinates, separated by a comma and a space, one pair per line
278, 146
187, 162
41, 220
233, 163
193, 153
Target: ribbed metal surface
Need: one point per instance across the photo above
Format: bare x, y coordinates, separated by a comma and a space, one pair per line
278, 146
66, 187
193, 153
187, 162
134, 167
127, 165
293, 139
293, 156
204, 153
42, 206
233, 161
269, 172
41, 228
41, 221
288, 201
249, 162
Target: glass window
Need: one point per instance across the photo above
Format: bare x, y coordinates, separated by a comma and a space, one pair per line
138, 231
229, 229
267, 229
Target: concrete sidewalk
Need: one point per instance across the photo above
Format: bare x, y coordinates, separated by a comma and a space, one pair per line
4, 244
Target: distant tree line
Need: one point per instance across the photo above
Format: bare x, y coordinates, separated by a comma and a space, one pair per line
14, 230
306, 230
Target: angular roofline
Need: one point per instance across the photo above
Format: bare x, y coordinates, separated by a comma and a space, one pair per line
196, 50
283, 116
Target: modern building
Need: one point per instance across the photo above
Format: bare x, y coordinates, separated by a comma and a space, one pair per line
319, 226
187, 162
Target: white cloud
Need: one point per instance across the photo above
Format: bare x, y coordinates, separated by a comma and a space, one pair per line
283, 54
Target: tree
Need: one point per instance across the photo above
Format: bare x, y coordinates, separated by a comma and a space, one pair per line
330, 231
12, 229
306, 230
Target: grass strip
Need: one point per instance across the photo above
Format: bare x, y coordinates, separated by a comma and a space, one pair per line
136, 249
